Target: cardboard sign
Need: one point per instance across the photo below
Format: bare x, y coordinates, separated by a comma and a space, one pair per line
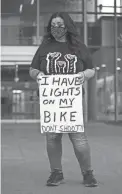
61, 104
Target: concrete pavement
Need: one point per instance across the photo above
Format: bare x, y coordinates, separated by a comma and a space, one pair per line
25, 166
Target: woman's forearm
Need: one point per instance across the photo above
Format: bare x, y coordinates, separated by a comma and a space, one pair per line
89, 73
33, 72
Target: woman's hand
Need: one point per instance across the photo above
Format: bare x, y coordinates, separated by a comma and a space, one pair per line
81, 77
86, 75
39, 76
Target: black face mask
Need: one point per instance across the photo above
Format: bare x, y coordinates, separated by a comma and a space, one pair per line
58, 32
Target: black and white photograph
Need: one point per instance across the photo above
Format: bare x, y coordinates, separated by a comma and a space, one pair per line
61, 96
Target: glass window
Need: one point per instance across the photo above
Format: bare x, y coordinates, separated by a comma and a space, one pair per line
106, 7
7, 72
18, 22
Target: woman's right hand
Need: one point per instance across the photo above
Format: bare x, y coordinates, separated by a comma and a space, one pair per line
39, 76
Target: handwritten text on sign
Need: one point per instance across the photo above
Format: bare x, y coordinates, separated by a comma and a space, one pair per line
61, 104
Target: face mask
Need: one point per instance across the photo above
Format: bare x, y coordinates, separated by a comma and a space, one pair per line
58, 32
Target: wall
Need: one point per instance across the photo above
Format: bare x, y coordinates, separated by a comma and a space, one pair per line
121, 6
18, 53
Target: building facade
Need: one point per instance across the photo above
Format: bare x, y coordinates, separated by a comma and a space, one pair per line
23, 26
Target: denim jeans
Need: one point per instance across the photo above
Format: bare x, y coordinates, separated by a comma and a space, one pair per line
80, 145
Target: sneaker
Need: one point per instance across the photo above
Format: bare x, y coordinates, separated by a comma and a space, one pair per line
89, 180
56, 178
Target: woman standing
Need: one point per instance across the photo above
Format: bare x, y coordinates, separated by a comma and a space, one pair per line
62, 44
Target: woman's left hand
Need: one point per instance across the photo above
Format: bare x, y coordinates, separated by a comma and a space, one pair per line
81, 77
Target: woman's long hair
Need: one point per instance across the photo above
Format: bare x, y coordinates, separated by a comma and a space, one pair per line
73, 38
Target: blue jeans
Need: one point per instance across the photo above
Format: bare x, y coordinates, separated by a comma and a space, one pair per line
80, 145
